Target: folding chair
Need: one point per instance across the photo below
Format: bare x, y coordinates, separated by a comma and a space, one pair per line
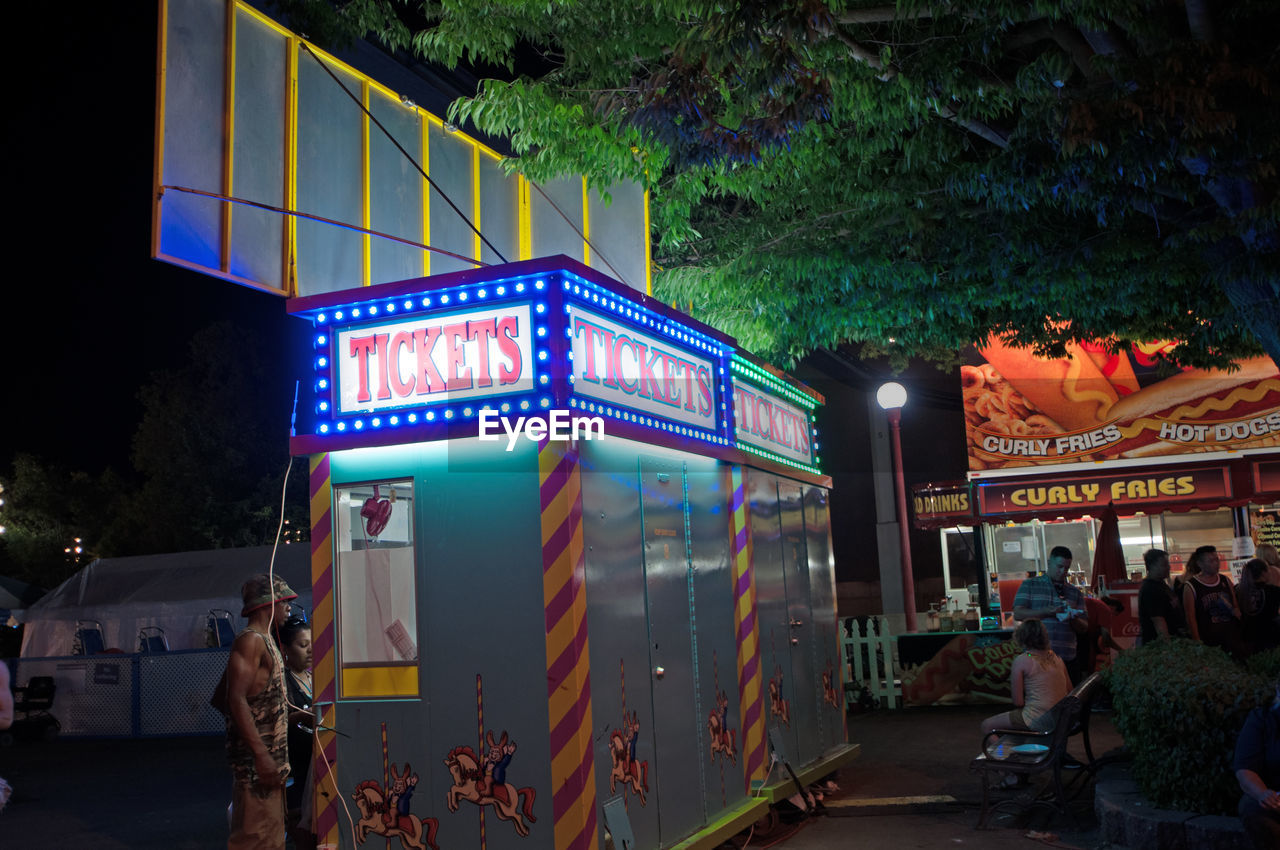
220, 629
89, 640
152, 639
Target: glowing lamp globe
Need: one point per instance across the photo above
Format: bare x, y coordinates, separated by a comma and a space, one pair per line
891, 396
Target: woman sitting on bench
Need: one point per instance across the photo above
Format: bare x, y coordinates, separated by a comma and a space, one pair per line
1038, 680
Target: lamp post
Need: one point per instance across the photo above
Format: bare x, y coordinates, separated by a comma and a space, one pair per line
892, 396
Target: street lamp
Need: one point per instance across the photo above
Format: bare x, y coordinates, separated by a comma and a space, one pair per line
892, 396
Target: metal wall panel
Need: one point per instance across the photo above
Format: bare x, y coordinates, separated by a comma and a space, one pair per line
722, 767
330, 179
258, 167
669, 601
805, 691
452, 168
822, 600
499, 211
194, 70
549, 232
481, 634
395, 191
619, 634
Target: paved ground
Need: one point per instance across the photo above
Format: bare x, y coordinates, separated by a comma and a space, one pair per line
172, 794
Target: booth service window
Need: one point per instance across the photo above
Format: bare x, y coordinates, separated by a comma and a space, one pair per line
376, 618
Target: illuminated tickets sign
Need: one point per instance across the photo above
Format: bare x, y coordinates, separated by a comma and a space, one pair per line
764, 420
1137, 490
617, 364
434, 359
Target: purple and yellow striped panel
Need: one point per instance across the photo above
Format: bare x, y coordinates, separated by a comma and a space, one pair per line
750, 691
322, 642
573, 780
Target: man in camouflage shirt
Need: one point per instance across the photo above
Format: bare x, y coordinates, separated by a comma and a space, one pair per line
257, 719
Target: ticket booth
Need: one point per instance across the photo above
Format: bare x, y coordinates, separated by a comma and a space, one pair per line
572, 566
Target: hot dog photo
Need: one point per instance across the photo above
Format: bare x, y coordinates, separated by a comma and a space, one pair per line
1095, 404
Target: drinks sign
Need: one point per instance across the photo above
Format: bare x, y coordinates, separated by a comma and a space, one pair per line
617, 364
430, 359
766, 421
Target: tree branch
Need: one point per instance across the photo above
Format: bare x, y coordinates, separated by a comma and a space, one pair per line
882, 14
1069, 39
868, 57
1200, 20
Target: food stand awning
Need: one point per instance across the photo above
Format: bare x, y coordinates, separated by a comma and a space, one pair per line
1170, 486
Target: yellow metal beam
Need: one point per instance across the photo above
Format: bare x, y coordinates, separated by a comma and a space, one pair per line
832, 760
729, 824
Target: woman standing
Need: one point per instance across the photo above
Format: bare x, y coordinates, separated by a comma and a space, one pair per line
294, 637
1209, 602
1259, 606
1271, 557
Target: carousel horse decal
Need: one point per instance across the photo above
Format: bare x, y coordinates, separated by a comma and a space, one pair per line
723, 739
477, 782
829, 694
378, 816
778, 707
626, 767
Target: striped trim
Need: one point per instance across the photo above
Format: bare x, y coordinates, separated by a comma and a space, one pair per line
326, 795
750, 692
573, 780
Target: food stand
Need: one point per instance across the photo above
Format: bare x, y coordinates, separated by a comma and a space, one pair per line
1184, 459
572, 565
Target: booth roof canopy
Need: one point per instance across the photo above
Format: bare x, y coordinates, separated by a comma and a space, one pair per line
215, 575
18, 594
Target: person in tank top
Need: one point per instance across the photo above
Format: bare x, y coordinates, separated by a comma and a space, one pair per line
1209, 601
257, 720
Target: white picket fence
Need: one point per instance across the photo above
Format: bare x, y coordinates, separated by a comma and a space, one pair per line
868, 650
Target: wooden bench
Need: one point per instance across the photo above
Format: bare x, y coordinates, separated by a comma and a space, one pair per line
1001, 753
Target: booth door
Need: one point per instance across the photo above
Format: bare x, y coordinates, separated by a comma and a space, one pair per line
669, 608
805, 693
822, 599
772, 612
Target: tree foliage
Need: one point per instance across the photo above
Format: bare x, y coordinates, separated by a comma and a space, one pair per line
46, 507
209, 459
212, 448
911, 177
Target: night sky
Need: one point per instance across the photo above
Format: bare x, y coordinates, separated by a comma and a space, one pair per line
88, 314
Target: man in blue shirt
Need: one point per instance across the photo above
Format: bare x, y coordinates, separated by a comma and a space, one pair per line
1257, 767
1051, 599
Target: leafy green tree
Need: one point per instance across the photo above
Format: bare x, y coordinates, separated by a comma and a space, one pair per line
910, 177
211, 450
46, 507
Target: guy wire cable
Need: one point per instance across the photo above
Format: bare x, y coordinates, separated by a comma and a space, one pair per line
400, 148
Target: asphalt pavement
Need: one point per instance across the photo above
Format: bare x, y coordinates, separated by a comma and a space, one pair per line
910, 787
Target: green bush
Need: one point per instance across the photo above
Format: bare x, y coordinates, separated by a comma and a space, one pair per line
1179, 705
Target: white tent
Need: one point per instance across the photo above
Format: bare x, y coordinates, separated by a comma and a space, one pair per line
174, 592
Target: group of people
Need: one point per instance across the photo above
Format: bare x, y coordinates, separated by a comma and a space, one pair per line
1054, 619
1206, 606
267, 702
